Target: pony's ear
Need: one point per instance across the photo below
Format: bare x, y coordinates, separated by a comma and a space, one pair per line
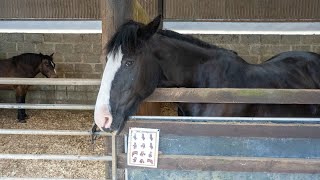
150, 29
51, 54
41, 54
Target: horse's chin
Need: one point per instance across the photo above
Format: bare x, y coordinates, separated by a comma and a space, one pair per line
120, 125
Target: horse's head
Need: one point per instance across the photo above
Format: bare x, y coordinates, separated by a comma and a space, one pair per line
130, 74
47, 66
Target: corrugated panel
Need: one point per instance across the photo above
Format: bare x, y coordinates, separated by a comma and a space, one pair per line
243, 10
50, 9
214, 10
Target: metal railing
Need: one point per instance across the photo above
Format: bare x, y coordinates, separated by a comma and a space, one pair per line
44, 81
194, 95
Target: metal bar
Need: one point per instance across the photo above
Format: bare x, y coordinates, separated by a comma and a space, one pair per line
234, 129
53, 81
50, 132
236, 164
227, 119
114, 156
13, 178
46, 106
55, 157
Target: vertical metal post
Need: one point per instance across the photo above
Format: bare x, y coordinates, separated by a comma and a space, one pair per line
114, 156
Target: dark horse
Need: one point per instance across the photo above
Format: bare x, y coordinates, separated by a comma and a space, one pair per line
142, 58
26, 65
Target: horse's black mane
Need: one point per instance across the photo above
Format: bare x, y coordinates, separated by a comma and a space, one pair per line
186, 38
127, 37
29, 58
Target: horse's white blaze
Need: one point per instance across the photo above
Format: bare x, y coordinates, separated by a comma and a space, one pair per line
102, 112
54, 69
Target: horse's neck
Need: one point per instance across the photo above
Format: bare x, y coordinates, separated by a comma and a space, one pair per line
28, 69
193, 67
179, 65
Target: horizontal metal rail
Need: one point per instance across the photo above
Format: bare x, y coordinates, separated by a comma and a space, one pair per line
13, 178
55, 157
235, 164
50, 132
226, 119
46, 106
52, 81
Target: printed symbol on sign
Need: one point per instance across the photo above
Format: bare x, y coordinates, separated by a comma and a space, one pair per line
134, 159
150, 155
142, 153
134, 153
143, 145
150, 161
151, 138
135, 136
134, 145
141, 161
143, 138
151, 146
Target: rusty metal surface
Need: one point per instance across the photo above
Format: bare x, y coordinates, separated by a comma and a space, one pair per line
231, 95
237, 164
50, 9
229, 129
244, 10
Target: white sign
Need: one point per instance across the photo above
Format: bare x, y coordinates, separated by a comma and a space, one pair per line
143, 146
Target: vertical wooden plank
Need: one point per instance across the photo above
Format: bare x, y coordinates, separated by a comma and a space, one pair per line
113, 14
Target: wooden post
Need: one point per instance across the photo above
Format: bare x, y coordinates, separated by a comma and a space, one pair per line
113, 14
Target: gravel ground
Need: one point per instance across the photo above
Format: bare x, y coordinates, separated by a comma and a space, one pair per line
73, 145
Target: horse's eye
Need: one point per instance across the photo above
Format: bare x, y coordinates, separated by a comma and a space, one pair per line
129, 63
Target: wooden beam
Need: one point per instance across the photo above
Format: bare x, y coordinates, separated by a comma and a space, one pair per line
197, 95
237, 164
233, 95
229, 129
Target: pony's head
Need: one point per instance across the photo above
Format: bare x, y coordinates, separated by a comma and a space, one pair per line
47, 66
130, 74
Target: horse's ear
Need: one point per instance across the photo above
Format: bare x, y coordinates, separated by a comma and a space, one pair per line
51, 54
40, 54
148, 30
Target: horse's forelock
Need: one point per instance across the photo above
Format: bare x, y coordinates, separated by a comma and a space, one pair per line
125, 38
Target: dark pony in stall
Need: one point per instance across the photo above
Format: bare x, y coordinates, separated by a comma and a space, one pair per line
26, 65
142, 58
